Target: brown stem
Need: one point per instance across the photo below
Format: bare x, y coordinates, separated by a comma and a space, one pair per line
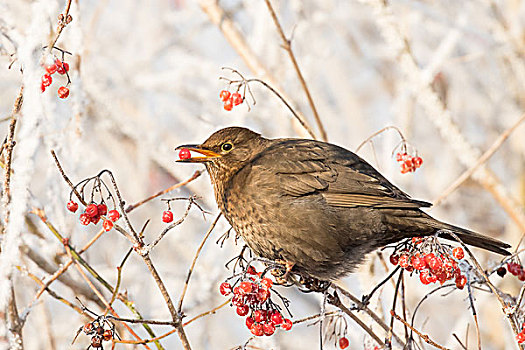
288, 47
197, 253
425, 337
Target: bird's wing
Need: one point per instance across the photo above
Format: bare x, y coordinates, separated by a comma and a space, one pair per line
305, 167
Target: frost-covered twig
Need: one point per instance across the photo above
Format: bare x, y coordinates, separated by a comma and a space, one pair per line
288, 47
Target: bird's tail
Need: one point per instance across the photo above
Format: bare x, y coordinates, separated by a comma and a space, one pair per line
471, 238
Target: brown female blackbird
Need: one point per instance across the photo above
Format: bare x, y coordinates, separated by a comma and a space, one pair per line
315, 205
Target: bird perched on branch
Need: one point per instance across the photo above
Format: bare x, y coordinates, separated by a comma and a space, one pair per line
315, 205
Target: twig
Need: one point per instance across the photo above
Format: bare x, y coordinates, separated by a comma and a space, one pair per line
61, 26
195, 175
186, 283
288, 47
369, 138
481, 160
425, 337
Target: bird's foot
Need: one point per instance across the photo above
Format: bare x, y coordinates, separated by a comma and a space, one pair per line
280, 277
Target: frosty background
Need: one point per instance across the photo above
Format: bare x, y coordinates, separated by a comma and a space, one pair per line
449, 74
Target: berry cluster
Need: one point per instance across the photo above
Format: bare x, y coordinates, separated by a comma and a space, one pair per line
59, 67
252, 298
97, 332
432, 267
408, 162
230, 99
521, 335
93, 214
515, 269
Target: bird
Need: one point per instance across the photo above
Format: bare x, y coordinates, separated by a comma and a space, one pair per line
314, 205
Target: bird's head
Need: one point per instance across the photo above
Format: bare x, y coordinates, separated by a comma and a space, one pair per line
225, 151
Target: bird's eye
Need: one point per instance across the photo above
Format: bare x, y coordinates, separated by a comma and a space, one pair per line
227, 146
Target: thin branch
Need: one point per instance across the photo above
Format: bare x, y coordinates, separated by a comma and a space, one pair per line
288, 47
425, 337
481, 160
197, 253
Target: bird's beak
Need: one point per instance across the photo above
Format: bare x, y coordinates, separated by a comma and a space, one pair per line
206, 154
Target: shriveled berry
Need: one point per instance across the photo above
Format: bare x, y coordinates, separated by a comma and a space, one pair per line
458, 253
225, 288
266, 283
92, 210
501, 271
224, 95
245, 287
394, 259
461, 280
236, 98
63, 92
228, 105
95, 219
243, 310
102, 209
343, 343
113, 215
184, 153
107, 335
85, 219
276, 317
167, 216
72, 206
257, 329
249, 322
268, 328
286, 325
46, 80
107, 225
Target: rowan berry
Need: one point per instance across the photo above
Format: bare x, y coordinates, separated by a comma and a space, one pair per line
224, 95
113, 215
107, 225
286, 325
72, 206
184, 153
343, 343
46, 80
167, 216
92, 210
63, 92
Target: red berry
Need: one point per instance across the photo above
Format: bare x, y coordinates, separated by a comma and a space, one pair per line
245, 287
237, 300
251, 270
113, 215
343, 343
224, 95
184, 153
102, 209
424, 276
266, 283
417, 262
249, 322
434, 263
404, 168
92, 210
276, 317
257, 329
42, 87
268, 328
72, 206
62, 67
441, 277
394, 259
228, 105
417, 161
236, 98
521, 337
259, 315
46, 80
225, 288
85, 219
458, 253
521, 275
63, 92
286, 325
404, 261
107, 225
263, 295
243, 310
514, 268
399, 156
461, 281
52, 68
167, 216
